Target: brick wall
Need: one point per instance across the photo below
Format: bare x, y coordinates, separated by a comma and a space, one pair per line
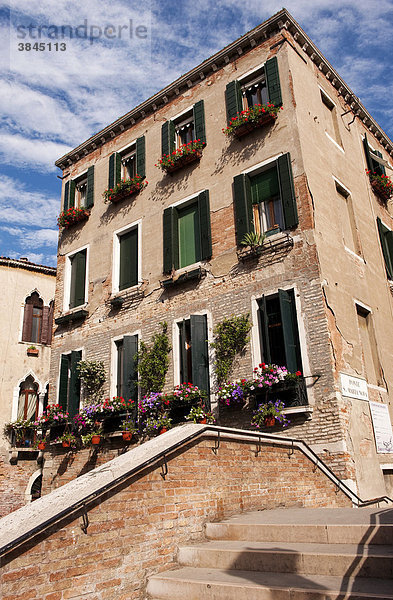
134, 531
13, 483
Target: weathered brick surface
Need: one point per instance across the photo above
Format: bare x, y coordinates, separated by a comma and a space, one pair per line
135, 530
14, 480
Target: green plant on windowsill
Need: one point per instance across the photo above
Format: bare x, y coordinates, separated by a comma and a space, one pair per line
198, 414
267, 414
128, 424
169, 161
155, 425
253, 117
89, 438
72, 215
23, 430
125, 187
253, 240
381, 184
68, 440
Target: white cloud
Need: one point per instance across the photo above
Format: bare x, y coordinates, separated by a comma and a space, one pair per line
38, 155
21, 206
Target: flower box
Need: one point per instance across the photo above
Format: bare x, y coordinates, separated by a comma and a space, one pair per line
186, 159
125, 189
186, 154
246, 128
124, 194
70, 217
32, 351
385, 193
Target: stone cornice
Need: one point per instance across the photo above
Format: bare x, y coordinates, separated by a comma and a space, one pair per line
28, 266
280, 21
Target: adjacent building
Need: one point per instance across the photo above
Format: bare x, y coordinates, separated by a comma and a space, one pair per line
319, 289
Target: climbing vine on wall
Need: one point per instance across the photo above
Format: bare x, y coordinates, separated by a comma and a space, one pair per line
153, 362
230, 338
92, 374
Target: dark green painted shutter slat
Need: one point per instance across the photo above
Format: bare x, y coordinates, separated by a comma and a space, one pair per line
204, 225
289, 330
199, 121
233, 99
199, 352
382, 169
71, 194
168, 239
128, 275
130, 348
74, 392
184, 374
264, 330
140, 157
90, 187
78, 279
66, 193
167, 137
273, 81
288, 197
387, 246
114, 170
367, 153
243, 206
265, 186
63, 382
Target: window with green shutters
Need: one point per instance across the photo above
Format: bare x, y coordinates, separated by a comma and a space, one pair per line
278, 330
372, 157
126, 368
129, 162
265, 200
77, 263
194, 351
128, 260
260, 87
69, 382
79, 192
386, 239
186, 232
188, 127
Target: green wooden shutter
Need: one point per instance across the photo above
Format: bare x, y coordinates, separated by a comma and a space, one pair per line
71, 194
90, 187
290, 332
199, 352
189, 236
185, 376
381, 169
386, 239
287, 188
167, 137
243, 206
75, 385
128, 275
78, 279
265, 186
273, 81
140, 156
66, 195
170, 240
130, 348
233, 99
367, 153
114, 174
63, 382
199, 121
204, 225
264, 330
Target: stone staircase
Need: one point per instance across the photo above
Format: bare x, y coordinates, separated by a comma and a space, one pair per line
287, 554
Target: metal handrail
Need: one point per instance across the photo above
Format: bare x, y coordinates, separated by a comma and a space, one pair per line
163, 455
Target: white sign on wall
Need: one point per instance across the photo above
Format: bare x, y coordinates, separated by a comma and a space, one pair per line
353, 387
382, 427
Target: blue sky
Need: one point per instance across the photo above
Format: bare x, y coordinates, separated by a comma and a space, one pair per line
53, 100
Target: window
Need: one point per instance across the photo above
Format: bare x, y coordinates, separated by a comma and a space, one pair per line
370, 360
259, 87
187, 127
76, 274
37, 320
126, 258
347, 221
187, 236
127, 163
278, 330
265, 199
330, 120
69, 383
125, 367
79, 192
28, 400
386, 239
374, 159
193, 351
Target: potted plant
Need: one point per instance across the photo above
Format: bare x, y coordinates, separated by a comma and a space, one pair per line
198, 414
157, 425
72, 215
268, 413
233, 394
253, 240
251, 118
125, 188
93, 438
54, 418
68, 440
21, 432
32, 351
183, 155
128, 429
181, 400
381, 184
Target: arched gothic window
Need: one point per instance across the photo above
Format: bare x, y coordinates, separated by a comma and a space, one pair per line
37, 320
28, 399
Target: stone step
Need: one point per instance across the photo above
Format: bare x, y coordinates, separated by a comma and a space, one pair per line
291, 557
217, 584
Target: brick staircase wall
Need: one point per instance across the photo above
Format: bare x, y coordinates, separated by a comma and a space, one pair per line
135, 529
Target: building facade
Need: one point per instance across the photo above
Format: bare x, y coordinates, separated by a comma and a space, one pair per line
318, 291
25, 345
